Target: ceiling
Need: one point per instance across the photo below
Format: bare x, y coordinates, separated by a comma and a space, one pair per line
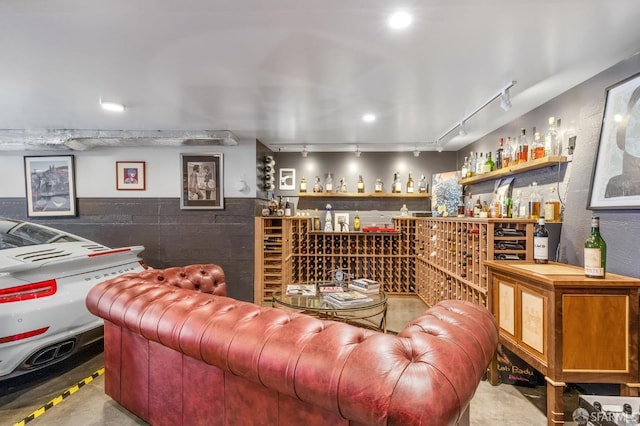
297, 74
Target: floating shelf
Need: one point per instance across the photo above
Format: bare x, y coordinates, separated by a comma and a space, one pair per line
518, 168
362, 195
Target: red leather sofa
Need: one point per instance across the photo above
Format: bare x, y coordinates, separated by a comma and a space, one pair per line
177, 351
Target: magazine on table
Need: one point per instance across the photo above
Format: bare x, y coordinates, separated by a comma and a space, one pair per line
331, 289
364, 290
347, 298
301, 290
365, 284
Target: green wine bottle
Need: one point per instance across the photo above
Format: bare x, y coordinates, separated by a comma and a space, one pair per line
595, 252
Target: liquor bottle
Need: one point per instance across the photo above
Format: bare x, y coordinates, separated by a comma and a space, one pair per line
471, 171
397, 185
489, 165
468, 211
328, 183
465, 168
316, 221
506, 153
317, 186
273, 205
410, 187
356, 222
595, 252
303, 184
423, 187
328, 223
404, 211
551, 139
378, 185
541, 243
535, 202
287, 208
343, 185
552, 207
477, 208
479, 165
360, 185
537, 148
499, 152
523, 147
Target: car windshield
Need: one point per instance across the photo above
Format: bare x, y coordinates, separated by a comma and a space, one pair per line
14, 233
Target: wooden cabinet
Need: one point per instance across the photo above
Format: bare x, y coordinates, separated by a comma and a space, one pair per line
568, 327
451, 255
287, 252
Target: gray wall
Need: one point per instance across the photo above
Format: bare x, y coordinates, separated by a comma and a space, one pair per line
581, 110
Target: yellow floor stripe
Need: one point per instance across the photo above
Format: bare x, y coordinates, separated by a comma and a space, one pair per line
58, 399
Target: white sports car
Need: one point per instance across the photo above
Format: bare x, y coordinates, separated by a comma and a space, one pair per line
45, 275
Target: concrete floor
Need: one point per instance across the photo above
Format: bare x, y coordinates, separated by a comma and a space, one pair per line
20, 398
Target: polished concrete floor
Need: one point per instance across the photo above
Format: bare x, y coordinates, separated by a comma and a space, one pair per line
88, 405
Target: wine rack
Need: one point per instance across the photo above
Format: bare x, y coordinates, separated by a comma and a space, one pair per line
450, 255
291, 253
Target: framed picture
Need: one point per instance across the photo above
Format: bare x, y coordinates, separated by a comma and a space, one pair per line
287, 179
615, 181
130, 175
202, 181
50, 184
342, 222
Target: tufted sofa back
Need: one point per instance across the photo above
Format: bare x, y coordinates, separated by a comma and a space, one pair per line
202, 278
275, 367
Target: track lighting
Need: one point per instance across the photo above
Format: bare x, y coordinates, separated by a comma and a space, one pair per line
416, 153
439, 147
505, 102
304, 152
358, 152
462, 131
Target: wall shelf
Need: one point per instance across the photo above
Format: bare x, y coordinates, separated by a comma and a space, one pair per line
362, 195
516, 169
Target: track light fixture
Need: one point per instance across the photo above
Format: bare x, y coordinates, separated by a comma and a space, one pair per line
416, 153
358, 152
462, 131
304, 152
505, 102
439, 147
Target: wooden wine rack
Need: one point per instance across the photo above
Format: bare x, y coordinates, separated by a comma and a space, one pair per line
289, 252
450, 255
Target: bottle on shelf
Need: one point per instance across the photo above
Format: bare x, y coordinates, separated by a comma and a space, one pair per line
506, 153
404, 211
273, 205
317, 186
471, 171
517, 205
378, 187
541, 243
513, 151
537, 148
423, 186
303, 184
328, 183
468, 211
356, 222
489, 165
360, 185
316, 221
461, 206
523, 147
477, 208
397, 185
551, 139
535, 202
465, 168
328, 223
479, 164
595, 252
287, 207
499, 153
410, 184
552, 207
343, 185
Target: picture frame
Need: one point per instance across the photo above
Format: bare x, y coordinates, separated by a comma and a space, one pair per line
287, 180
341, 222
50, 185
202, 181
130, 175
615, 180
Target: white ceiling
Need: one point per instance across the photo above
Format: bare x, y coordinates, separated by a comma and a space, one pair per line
300, 73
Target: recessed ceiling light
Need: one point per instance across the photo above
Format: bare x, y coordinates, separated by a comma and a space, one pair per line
111, 106
368, 118
400, 20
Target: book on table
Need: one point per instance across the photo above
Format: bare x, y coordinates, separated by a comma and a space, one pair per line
301, 290
365, 284
347, 298
364, 290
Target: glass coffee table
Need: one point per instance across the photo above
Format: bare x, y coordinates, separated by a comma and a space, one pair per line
371, 314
